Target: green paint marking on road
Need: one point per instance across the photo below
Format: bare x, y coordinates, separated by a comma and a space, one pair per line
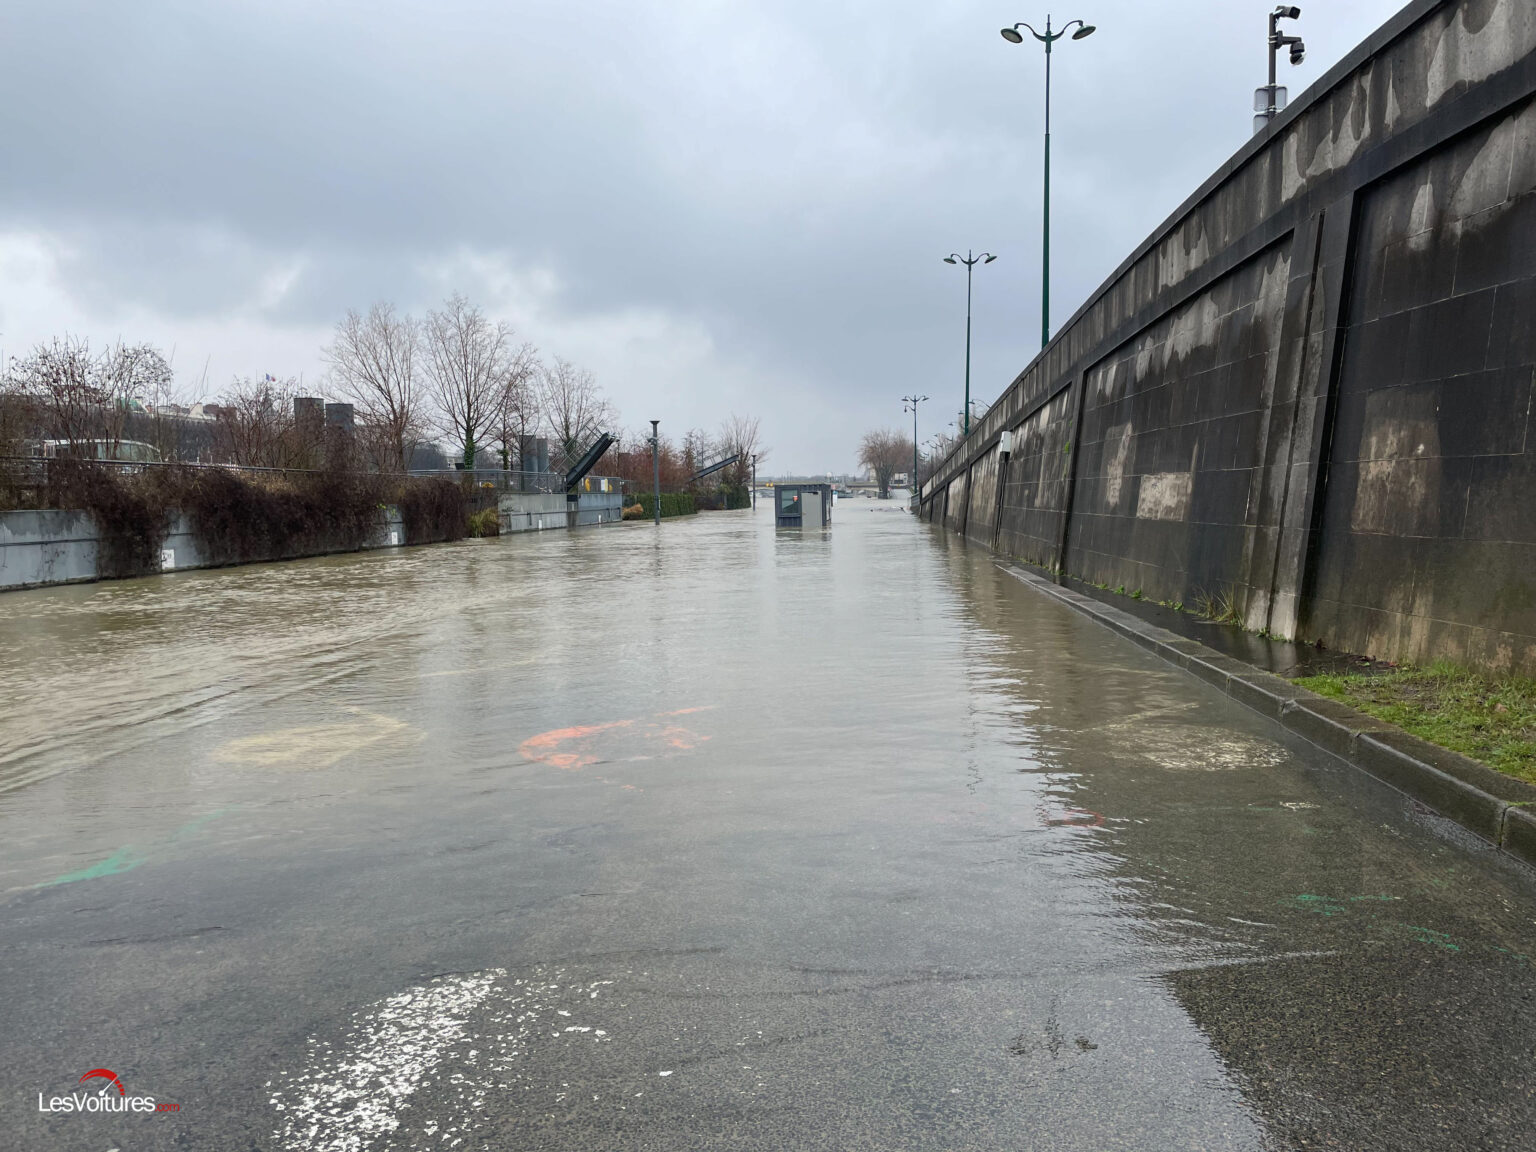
1328, 905
129, 857
1430, 936
193, 825
120, 861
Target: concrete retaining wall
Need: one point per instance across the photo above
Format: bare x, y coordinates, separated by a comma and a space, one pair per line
1310, 392
41, 548
536, 511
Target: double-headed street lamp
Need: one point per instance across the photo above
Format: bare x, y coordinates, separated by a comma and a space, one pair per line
970, 263
910, 404
1014, 36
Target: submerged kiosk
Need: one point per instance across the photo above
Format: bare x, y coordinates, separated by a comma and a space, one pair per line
804, 505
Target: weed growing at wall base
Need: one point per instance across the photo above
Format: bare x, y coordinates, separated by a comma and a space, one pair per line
1492, 719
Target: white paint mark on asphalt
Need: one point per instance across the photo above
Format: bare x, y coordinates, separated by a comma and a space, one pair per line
345, 1100
461, 1037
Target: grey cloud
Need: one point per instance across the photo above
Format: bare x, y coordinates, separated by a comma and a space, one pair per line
786, 174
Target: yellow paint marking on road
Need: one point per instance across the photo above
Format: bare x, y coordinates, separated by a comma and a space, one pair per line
315, 746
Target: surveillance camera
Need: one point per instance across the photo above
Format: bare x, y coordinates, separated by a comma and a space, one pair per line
1288, 12
1298, 52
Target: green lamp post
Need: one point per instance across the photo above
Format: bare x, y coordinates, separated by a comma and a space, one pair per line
1014, 36
970, 263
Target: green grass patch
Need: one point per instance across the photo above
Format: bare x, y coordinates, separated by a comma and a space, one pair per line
1492, 719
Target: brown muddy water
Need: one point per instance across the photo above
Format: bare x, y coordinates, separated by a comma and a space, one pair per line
713, 835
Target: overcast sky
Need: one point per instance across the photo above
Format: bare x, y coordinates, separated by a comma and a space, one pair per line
716, 205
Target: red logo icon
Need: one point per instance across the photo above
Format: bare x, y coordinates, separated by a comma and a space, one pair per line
104, 1074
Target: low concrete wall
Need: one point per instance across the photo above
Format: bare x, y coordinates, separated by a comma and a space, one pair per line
1311, 394
47, 547
536, 511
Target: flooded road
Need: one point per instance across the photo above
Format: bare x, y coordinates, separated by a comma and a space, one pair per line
711, 836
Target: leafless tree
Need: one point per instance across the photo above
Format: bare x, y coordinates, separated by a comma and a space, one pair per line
373, 363
884, 452
515, 413
254, 422
15, 417
466, 367
574, 408
82, 397
58, 380
698, 451
742, 436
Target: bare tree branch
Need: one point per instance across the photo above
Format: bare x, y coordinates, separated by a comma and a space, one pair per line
515, 413
742, 435
884, 452
255, 418
466, 368
373, 364
574, 407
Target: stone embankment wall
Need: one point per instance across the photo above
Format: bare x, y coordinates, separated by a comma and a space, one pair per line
1309, 393
42, 548
536, 511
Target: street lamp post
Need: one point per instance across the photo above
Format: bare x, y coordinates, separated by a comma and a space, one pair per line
1014, 36
754, 481
911, 403
970, 263
656, 469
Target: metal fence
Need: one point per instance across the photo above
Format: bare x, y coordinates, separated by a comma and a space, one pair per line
37, 467
504, 480
29, 482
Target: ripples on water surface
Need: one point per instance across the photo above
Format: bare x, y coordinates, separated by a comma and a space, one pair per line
861, 751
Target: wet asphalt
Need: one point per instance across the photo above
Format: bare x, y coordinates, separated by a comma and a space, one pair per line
709, 837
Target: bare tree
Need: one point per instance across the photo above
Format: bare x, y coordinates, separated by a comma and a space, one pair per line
16, 417
254, 421
85, 399
698, 450
466, 367
883, 453
515, 413
574, 407
742, 436
58, 380
373, 364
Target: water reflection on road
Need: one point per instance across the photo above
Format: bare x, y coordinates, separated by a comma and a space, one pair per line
714, 833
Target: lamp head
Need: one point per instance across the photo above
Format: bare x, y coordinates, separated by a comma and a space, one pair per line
989, 258
1012, 35
1085, 30
950, 260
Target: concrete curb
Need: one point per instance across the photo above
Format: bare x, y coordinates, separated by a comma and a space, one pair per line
1495, 807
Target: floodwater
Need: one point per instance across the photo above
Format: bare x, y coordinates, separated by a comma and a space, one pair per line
711, 836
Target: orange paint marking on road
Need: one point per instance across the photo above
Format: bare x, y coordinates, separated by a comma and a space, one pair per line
541, 748
555, 746
681, 738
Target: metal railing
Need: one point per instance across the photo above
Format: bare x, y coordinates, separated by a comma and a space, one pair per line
504, 480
